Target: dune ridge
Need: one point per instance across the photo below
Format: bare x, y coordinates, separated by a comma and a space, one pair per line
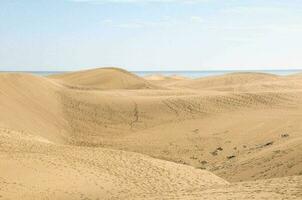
120, 136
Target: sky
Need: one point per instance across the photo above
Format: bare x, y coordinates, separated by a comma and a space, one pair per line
140, 35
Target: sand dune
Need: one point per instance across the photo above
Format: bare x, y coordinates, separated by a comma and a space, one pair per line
162, 80
103, 78
236, 136
229, 81
159, 77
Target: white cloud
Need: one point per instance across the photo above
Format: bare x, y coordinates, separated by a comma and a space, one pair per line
165, 21
107, 21
130, 25
141, 24
254, 10
196, 19
240, 39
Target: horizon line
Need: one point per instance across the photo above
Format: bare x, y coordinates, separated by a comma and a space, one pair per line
192, 70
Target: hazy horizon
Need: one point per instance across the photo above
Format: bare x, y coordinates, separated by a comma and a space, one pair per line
150, 35
179, 70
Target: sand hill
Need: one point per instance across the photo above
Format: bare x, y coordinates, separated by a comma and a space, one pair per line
118, 136
229, 81
103, 78
164, 80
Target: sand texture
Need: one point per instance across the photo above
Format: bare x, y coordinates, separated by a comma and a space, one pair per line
109, 134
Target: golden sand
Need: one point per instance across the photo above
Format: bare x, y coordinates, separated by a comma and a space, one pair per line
109, 134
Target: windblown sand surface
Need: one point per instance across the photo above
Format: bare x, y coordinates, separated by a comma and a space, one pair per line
109, 134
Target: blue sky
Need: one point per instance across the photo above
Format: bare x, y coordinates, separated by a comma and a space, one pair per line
150, 34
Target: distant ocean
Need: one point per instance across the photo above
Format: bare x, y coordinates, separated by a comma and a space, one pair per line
196, 74
191, 74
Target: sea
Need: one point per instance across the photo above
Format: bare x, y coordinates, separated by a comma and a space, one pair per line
197, 74
190, 74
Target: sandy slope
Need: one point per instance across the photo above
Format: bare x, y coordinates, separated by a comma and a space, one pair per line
240, 127
31, 168
30, 103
